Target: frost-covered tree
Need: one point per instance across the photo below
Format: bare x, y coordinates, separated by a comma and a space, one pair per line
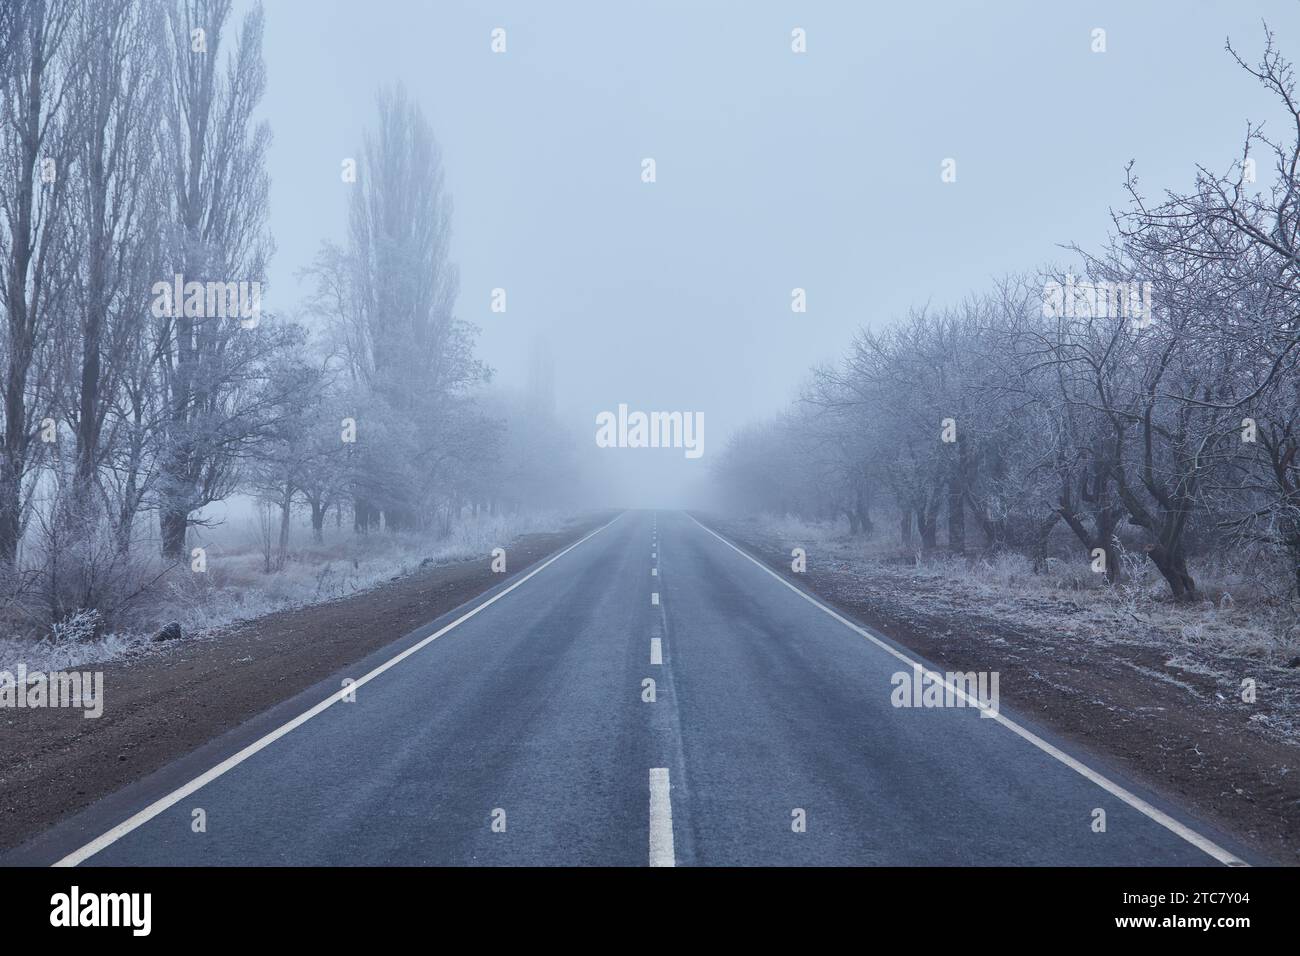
38, 143
217, 187
389, 296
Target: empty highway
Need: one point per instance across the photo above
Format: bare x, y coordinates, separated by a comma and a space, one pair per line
649, 696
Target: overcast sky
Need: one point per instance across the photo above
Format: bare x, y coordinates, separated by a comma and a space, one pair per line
774, 170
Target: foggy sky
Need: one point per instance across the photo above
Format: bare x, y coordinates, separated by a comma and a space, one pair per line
775, 170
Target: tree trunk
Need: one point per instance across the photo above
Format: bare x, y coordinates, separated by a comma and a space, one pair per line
318, 510
928, 526
863, 509
1173, 566
1112, 561
173, 523
956, 517
364, 516
11, 507
286, 509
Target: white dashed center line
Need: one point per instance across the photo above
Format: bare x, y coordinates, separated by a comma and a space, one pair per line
661, 819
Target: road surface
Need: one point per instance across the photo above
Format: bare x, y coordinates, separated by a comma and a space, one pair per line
520, 729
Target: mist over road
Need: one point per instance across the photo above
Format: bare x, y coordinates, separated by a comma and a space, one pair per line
526, 734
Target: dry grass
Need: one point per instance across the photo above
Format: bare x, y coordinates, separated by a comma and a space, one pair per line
236, 587
1239, 617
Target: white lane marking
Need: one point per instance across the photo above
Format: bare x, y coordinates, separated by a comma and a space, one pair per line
654, 572
656, 651
180, 793
654, 554
661, 819
654, 598
1203, 843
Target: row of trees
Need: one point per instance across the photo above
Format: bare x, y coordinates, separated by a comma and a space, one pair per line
1151, 404
132, 165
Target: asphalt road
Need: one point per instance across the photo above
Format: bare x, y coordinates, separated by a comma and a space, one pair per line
524, 735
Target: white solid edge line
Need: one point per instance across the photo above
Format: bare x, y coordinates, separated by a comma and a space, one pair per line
656, 651
180, 793
1202, 843
661, 819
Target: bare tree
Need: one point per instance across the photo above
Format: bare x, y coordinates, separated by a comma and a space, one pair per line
218, 187
389, 298
39, 146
